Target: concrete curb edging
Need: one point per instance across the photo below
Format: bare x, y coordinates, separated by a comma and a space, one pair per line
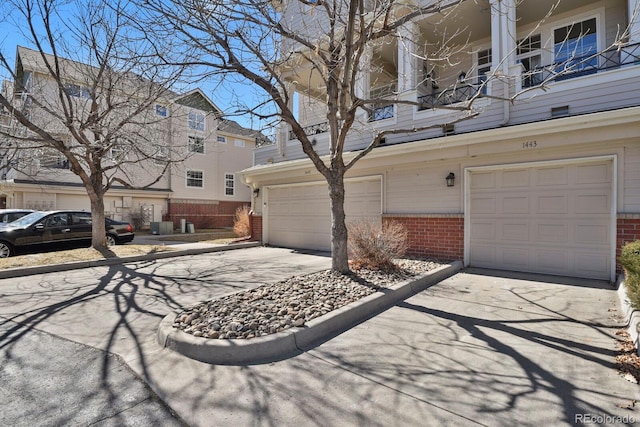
53, 268
631, 316
278, 346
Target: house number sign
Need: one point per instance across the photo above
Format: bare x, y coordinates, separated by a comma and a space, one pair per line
530, 144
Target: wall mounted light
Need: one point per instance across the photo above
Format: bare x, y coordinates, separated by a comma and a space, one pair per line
462, 77
451, 178
256, 192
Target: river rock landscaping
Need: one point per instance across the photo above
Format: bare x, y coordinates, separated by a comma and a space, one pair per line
273, 308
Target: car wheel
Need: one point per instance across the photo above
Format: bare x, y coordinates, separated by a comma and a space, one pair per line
6, 250
111, 241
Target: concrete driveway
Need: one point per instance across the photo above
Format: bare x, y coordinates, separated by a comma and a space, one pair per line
480, 348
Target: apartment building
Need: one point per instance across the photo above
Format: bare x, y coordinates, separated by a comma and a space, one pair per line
204, 188
548, 183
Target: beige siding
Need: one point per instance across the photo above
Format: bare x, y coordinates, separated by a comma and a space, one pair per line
631, 177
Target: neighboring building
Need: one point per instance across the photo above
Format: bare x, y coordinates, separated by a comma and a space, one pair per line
204, 189
549, 184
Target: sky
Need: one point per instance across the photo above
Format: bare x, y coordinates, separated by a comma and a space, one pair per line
221, 95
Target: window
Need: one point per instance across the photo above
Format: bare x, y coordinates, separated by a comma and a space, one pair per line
195, 179
239, 143
118, 153
161, 110
221, 139
78, 91
162, 156
529, 55
575, 47
196, 121
196, 144
483, 67
229, 184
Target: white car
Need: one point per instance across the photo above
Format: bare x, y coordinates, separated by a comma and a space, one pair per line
10, 215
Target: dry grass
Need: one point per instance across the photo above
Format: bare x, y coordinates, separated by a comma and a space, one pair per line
82, 254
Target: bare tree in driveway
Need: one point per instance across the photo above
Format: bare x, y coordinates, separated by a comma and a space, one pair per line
326, 49
83, 100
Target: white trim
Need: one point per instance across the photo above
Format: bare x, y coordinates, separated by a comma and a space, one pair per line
225, 184
576, 160
186, 178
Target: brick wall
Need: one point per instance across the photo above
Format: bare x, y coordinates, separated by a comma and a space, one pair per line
256, 227
433, 236
203, 214
628, 230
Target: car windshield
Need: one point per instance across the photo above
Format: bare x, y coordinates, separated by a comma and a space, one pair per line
28, 219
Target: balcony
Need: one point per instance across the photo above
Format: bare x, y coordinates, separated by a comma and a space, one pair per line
454, 95
609, 59
312, 130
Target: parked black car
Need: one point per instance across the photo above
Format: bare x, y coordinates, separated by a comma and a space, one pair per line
10, 215
40, 230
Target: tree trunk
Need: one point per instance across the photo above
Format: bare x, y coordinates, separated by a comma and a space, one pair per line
339, 254
99, 232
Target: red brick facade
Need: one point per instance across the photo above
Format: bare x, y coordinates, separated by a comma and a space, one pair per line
628, 230
433, 236
203, 214
256, 227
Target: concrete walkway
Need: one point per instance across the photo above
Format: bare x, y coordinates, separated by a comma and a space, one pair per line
480, 348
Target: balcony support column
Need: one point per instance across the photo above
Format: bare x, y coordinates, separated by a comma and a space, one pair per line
407, 36
633, 12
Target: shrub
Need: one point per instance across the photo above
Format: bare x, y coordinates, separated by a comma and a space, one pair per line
374, 246
630, 260
138, 218
241, 223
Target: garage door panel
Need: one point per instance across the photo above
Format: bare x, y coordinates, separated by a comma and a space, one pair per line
592, 204
565, 228
552, 176
516, 178
556, 232
515, 205
517, 232
552, 204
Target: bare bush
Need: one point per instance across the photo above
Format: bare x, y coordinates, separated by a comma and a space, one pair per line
241, 223
138, 218
373, 245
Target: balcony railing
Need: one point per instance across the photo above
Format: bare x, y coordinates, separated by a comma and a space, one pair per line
381, 113
609, 59
454, 95
312, 130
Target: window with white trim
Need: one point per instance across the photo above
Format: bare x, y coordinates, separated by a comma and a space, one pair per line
195, 179
239, 143
529, 54
196, 144
229, 184
221, 139
161, 110
575, 47
78, 91
196, 121
483, 66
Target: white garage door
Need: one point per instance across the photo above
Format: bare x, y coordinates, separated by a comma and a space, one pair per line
300, 217
554, 218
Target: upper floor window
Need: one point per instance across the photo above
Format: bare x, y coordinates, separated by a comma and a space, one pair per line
229, 184
161, 110
483, 66
196, 121
221, 139
576, 46
196, 144
195, 178
78, 91
239, 143
530, 56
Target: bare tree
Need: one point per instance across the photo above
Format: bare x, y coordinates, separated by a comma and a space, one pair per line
89, 102
324, 48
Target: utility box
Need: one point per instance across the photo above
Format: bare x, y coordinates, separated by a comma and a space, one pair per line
190, 227
163, 227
